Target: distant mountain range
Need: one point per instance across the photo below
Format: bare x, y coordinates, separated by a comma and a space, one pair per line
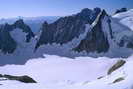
34, 22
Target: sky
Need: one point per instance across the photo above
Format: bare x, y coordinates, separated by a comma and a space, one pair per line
34, 8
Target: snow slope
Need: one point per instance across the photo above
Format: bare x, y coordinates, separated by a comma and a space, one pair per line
60, 70
54, 72
126, 18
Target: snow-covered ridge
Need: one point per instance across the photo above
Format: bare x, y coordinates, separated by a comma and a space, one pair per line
126, 18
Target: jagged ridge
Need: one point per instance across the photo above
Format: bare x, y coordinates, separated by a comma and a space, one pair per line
67, 28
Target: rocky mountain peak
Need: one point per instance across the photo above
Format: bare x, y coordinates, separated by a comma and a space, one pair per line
19, 22
85, 11
99, 18
97, 10
104, 12
95, 41
7, 43
89, 15
45, 23
67, 28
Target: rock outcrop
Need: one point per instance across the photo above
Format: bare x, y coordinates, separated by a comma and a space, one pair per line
24, 79
116, 66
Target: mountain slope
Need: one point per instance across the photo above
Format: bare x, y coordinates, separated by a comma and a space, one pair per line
88, 33
107, 35
126, 18
54, 72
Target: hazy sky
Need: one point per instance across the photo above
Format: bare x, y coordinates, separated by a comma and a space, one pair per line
33, 8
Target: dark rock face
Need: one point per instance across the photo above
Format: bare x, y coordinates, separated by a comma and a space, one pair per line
121, 10
66, 28
95, 41
7, 43
24, 79
110, 29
